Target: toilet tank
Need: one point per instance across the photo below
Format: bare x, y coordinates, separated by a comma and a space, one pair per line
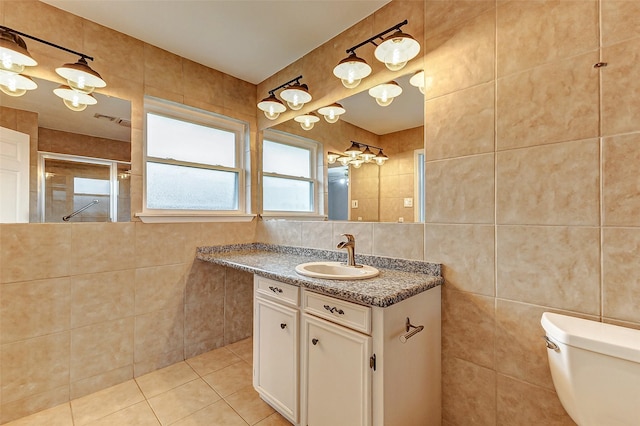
595, 370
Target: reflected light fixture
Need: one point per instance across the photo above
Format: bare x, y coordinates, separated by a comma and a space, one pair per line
14, 56
356, 156
307, 120
417, 80
14, 84
394, 51
332, 112
385, 93
74, 100
294, 93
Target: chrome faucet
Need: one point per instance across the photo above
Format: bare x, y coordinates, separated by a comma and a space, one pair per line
350, 245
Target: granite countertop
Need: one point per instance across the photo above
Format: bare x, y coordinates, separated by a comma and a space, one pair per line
399, 279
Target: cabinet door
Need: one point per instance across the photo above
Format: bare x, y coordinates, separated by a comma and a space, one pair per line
275, 374
337, 376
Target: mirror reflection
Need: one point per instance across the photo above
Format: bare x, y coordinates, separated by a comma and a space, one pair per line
392, 192
60, 165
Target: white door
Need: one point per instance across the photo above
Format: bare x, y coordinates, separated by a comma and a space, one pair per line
14, 176
337, 375
276, 346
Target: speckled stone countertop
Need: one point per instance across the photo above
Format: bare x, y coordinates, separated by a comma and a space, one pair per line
399, 279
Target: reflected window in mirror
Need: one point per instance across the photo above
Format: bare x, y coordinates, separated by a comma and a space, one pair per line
290, 183
194, 160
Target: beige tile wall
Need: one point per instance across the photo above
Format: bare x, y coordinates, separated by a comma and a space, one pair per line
532, 190
87, 306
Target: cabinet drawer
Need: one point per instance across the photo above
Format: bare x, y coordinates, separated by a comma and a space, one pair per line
285, 292
349, 314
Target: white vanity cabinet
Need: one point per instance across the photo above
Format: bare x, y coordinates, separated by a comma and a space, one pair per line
357, 367
276, 345
336, 371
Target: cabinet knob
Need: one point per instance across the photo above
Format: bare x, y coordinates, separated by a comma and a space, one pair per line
314, 341
283, 326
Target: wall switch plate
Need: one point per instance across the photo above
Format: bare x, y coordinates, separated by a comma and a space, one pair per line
401, 220
354, 204
408, 202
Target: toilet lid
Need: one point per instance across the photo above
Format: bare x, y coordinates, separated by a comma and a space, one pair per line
608, 339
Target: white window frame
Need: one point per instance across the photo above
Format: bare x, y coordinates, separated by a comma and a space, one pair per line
185, 113
316, 173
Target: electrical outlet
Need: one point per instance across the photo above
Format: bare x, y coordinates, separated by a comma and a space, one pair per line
354, 204
401, 220
408, 202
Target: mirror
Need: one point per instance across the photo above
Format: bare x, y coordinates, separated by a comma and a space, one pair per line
392, 192
72, 158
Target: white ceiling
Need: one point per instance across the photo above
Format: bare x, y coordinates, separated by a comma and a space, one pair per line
248, 39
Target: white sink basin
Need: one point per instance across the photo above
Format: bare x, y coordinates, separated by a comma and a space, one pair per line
336, 271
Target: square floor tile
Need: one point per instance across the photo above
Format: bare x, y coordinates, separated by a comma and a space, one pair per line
230, 379
212, 361
182, 401
165, 379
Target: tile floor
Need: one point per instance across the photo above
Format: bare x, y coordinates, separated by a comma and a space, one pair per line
211, 389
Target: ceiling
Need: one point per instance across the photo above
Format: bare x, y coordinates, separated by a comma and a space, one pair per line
251, 40
248, 39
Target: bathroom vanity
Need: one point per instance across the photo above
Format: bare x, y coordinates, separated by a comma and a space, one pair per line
330, 352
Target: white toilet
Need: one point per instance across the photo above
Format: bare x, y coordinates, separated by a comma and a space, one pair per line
595, 369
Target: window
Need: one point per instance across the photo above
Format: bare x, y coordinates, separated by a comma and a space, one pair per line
194, 162
289, 170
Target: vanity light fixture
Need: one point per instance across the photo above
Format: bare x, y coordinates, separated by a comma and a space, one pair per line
271, 106
332, 112
394, 51
385, 93
307, 120
417, 80
357, 154
14, 56
294, 93
397, 49
351, 70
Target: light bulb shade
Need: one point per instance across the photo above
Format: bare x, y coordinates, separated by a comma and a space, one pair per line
332, 157
296, 96
367, 155
80, 76
74, 100
384, 93
354, 150
396, 50
14, 53
417, 80
332, 112
380, 158
351, 70
356, 163
307, 120
271, 106
15, 84
344, 160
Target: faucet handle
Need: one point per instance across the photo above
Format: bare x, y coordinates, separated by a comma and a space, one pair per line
350, 238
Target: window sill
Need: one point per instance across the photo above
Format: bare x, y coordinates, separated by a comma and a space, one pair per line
192, 217
300, 217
